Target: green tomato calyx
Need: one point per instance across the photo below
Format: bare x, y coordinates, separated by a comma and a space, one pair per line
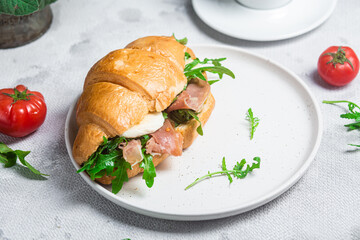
339, 57
19, 95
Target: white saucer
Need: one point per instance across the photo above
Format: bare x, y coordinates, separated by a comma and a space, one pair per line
236, 20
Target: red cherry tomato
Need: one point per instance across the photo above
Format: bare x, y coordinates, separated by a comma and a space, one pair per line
21, 111
338, 65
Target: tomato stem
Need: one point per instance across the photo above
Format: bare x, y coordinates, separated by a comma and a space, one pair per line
17, 96
339, 57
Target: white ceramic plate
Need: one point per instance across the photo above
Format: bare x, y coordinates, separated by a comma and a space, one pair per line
236, 20
286, 140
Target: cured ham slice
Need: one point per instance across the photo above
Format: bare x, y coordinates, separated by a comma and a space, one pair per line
165, 140
132, 152
193, 97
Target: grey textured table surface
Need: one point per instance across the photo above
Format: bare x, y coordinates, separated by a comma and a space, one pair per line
324, 204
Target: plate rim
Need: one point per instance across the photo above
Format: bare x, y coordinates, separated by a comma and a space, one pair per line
313, 26
219, 213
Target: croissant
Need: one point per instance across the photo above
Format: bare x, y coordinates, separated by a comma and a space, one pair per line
126, 86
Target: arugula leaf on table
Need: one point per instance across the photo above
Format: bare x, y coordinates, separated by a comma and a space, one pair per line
353, 126
8, 157
236, 171
254, 121
354, 145
352, 114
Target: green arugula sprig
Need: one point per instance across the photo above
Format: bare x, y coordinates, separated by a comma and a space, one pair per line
254, 121
195, 70
237, 171
8, 157
108, 159
352, 114
22, 7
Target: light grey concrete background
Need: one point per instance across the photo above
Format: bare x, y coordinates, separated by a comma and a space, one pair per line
324, 204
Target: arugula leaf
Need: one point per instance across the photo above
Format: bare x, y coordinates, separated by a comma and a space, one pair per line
223, 167
211, 82
199, 128
182, 41
195, 70
144, 140
22, 7
254, 121
149, 169
120, 175
147, 164
214, 61
354, 145
353, 126
187, 55
21, 155
104, 162
165, 115
352, 114
236, 171
8, 157
239, 173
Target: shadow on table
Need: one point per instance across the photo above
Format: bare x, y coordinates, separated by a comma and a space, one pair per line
317, 80
203, 27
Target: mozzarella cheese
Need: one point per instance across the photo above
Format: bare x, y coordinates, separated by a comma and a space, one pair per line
150, 123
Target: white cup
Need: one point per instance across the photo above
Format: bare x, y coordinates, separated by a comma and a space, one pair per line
264, 4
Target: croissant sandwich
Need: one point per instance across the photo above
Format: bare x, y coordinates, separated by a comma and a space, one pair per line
139, 105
